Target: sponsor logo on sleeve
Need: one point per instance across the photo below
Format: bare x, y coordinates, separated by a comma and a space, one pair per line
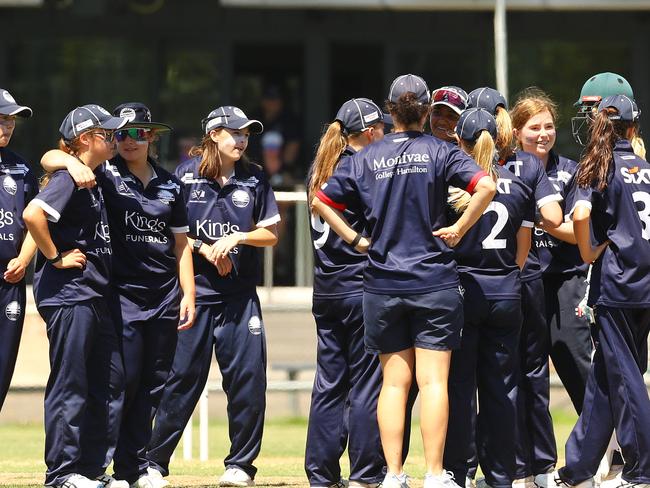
9, 184
240, 198
255, 325
12, 311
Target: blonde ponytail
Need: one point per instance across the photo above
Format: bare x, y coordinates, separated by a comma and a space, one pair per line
482, 151
331, 146
505, 135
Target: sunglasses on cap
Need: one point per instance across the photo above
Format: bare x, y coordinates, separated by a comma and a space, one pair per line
135, 133
448, 96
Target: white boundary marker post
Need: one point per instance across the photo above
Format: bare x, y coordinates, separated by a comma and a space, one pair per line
203, 425
187, 441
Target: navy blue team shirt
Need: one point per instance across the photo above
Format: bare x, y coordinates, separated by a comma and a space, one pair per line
76, 219
556, 256
401, 183
19, 186
487, 253
529, 169
143, 221
338, 268
244, 203
620, 277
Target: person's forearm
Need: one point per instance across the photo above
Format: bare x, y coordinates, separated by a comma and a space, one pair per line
483, 194
27, 250
551, 215
582, 233
56, 159
335, 220
524, 236
259, 237
185, 265
36, 223
564, 232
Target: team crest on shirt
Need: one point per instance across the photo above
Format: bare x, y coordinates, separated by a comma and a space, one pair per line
124, 190
240, 198
197, 196
9, 184
165, 196
12, 311
255, 325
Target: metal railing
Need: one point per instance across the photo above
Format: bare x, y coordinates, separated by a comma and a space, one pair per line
303, 258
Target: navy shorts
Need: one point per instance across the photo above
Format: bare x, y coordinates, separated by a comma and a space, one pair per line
431, 320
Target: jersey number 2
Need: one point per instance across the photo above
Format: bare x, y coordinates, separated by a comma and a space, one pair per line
322, 227
491, 241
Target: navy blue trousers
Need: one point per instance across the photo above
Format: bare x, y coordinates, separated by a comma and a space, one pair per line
234, 329
536, 450
616, 398
12, 317
148, 349
570, 335
85, 391
488, 360
347, 384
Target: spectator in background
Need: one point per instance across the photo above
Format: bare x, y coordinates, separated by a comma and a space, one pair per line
277, 150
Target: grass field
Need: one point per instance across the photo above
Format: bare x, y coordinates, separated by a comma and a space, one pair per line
280, 463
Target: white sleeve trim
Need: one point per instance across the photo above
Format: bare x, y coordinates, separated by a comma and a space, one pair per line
270, 221
580, 203
180, 230
526, 223
556, 197
52, 215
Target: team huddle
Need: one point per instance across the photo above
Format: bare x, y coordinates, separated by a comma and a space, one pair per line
450, 263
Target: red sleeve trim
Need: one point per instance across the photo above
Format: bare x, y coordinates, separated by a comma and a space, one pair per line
474, 181
327, 200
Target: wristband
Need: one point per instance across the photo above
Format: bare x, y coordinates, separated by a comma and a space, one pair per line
242, 237
356, 240
56, 258
196, 247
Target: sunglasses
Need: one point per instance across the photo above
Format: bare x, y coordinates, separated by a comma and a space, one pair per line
449, 96
135, 133
106, 135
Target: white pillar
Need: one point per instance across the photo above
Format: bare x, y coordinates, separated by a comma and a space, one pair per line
187, 441
203, 425
501, 46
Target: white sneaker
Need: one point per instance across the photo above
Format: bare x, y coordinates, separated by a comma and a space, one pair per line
153, 479
444, 480
235, 477
79, 481
619, 482
109, 482
527, 482
553, 480
392, 480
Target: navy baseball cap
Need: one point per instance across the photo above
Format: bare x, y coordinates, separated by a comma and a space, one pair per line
626, 107
409, 83
138, 115
8, 106
87, 117
451, 96
231, 118
473, 121
487, 98
358, 114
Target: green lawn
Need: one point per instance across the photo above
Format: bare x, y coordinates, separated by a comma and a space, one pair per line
280, 463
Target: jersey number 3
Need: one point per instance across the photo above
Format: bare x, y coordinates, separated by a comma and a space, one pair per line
322, 227
491, 241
